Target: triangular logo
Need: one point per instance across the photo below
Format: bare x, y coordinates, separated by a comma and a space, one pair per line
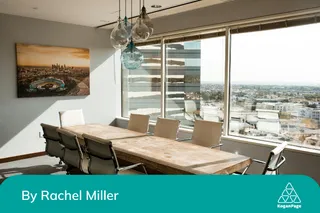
289, 195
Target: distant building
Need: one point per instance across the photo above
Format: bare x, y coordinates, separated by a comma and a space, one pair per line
288, 107
316, 114
268, 114
304, 112
270, 126
266, 105
283, 107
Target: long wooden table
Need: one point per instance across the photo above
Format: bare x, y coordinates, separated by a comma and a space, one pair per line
165, 155
102, 131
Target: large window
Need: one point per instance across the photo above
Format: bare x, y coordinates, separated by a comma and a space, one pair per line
194, 80
275, 85
273, 73
141, 87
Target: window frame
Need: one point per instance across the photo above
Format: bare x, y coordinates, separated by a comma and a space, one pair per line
293, 18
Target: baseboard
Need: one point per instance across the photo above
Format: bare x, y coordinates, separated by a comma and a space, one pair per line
21, 157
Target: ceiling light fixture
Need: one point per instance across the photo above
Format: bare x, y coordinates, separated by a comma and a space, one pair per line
127, 24
131, 57
156, 6
146, 19
140, 31
119, 36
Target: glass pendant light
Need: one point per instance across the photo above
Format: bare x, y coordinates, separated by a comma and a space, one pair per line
140, 31
146, 19
127, 24
131, 57
119, 36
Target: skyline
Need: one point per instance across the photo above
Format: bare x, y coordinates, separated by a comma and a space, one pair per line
266, 83
40, 55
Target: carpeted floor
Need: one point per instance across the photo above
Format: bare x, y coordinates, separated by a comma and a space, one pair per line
38, 165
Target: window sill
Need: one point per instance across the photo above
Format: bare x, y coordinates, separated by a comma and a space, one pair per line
304, 150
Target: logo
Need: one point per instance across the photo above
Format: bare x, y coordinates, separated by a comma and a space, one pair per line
289, 198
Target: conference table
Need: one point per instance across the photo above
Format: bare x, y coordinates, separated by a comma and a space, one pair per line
164, 155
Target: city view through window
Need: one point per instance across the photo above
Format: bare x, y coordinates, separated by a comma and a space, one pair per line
275, 85
274, 78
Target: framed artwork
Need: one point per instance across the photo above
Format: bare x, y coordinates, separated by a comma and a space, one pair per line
52, 71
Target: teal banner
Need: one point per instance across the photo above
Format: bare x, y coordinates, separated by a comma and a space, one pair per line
153, 193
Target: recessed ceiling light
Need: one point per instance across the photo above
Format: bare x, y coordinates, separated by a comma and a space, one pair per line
156, 6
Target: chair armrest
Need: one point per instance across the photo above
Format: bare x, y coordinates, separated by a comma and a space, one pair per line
216, 146
183, 139
258, 161
283, 159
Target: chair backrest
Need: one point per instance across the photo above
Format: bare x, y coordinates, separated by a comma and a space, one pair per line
73, 154
71, 118
275, 159
167, 128
53, 146
206, 133
139, 123
190, 106
103, 159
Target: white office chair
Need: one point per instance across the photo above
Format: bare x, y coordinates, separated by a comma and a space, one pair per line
103, 159
139, 123
73, 154
71, 118
189, 108
206, 133
53, 146
166, 128
274, 162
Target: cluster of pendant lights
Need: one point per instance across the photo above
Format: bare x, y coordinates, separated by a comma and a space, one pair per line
125, 34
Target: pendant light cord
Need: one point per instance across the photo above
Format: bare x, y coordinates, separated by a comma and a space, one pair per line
131, 16
119, 10
125, 8
131, 25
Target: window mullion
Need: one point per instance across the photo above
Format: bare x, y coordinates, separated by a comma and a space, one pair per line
163, 78
227, 82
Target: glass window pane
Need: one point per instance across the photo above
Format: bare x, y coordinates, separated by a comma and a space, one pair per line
141, 87
275, 85
195, 80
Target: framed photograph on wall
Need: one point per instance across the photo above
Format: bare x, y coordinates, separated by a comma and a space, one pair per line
52, 71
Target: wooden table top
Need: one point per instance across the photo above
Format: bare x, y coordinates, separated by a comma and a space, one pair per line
173, 157
164, 155
106, 132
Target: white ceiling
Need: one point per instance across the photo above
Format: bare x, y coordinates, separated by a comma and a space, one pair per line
91, 12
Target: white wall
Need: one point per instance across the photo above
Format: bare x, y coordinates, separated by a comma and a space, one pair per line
229, 11
20, 118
